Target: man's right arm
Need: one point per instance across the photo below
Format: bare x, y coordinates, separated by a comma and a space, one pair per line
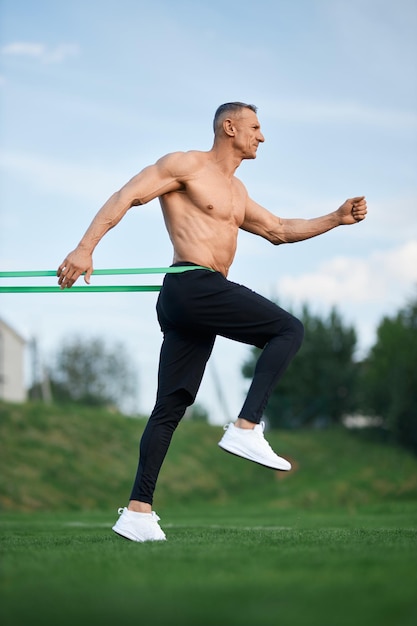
150, 183
278, 230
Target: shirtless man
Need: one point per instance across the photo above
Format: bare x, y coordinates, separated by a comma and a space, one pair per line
204, 205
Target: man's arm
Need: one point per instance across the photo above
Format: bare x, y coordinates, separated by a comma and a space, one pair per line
278, 230
150, 183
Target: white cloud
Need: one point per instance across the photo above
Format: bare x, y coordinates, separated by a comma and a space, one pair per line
40, 51
364, 289
379, 278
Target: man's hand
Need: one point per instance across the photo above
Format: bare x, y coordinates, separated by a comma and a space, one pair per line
352, 211
77, 262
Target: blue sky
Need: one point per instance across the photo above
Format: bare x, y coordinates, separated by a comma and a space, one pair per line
92, 92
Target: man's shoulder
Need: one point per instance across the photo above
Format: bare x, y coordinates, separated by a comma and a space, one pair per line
181, 164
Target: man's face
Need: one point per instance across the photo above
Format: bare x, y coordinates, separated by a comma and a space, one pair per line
248, 134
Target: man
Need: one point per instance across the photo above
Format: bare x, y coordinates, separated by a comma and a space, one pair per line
204, 205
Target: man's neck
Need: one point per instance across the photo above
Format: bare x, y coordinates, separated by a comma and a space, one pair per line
225, 158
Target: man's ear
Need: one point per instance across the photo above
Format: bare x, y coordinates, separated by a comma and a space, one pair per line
228, 127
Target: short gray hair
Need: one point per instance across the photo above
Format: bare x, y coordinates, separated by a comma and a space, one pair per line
230, 107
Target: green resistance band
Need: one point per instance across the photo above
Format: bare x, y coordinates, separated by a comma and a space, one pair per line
93, 288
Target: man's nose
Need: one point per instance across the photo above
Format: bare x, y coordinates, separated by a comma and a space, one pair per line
261, 138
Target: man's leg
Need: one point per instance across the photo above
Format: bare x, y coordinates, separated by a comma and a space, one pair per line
250, 318
245, 437
154, 445
270, 367
206, 301
182, 363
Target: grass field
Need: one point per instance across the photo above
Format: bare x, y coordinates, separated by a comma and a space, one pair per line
218, 566
331, 543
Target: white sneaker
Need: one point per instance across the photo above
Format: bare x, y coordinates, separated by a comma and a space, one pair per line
252, 445
138, 526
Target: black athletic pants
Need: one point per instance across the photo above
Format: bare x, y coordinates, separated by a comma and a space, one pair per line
193, 307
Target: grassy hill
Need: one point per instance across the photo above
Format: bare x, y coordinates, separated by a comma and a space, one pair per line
61, 459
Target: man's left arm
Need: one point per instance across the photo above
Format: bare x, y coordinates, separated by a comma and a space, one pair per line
279, 230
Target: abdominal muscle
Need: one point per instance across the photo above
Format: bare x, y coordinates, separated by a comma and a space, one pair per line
204, 236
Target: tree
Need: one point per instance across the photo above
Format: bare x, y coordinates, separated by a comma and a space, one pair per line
87, 371
389, 379
319, 386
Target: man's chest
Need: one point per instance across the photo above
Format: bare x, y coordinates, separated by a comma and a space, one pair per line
220, 198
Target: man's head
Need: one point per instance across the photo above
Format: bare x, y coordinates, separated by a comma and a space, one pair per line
230, 109
237, 124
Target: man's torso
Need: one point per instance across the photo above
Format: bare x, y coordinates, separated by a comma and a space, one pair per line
204, 215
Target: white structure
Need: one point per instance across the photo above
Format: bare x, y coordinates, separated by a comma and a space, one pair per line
12, 354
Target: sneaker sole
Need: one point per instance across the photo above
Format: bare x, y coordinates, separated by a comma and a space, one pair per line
284, 467
128, 535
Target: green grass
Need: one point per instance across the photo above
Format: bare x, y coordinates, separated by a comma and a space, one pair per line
215, 568
331, 543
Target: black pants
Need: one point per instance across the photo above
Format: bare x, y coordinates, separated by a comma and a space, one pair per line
193, 307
